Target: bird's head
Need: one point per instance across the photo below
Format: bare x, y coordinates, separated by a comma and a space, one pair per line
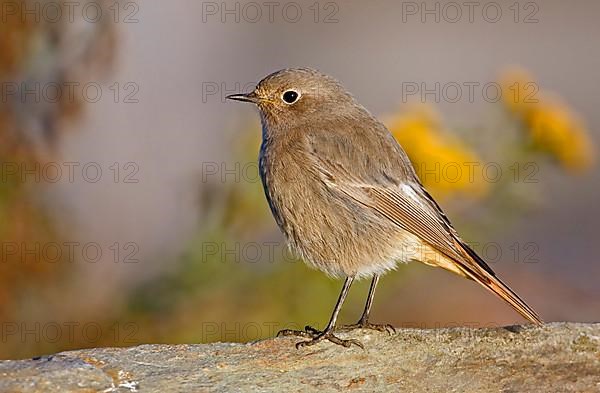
293, 96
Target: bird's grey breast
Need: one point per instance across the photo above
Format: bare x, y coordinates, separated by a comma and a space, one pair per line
266, 163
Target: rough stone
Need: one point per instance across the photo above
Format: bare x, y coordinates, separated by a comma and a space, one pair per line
559, 357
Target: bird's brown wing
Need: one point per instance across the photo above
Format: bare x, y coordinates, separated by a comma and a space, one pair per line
406, 203
400, 203
382, 184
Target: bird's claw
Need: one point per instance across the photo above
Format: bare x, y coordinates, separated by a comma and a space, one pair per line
317, 336
371, 326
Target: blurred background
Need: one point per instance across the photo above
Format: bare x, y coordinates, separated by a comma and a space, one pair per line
130, 205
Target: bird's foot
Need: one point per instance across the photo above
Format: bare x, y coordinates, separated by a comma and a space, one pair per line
367, 325
316, 336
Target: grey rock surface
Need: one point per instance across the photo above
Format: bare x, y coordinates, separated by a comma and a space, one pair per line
559, 357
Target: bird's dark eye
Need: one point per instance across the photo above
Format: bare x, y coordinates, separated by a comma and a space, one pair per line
290, 96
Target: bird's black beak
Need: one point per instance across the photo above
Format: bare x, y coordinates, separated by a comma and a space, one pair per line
248, 97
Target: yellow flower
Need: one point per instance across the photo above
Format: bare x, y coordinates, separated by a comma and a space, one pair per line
444, 165
520, 91
554, 129
551, 126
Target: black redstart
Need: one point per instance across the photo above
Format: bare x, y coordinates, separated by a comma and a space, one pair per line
347, 197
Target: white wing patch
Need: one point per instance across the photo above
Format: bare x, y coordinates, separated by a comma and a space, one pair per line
407, 189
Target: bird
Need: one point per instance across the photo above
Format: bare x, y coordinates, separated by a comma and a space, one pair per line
347, 198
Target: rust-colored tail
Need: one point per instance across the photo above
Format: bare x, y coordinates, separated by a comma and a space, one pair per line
480, 272
502, 290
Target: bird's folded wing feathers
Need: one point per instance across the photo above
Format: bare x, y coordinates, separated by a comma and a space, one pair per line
405, 203
401, 205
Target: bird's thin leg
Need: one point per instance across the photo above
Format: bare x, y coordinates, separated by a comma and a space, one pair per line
327, 334
370, 297
363, 322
